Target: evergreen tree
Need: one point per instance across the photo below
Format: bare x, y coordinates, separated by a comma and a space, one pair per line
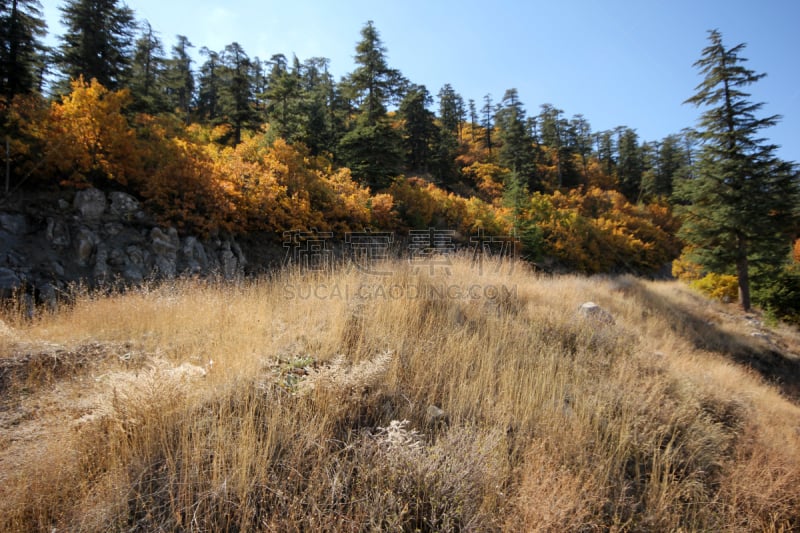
373, 84
557, 136
97, 43
488, 121
516, 151
373, 152
629, 164
372, 148
582, 134
179, 78
451, 110
740, 206
147, 73
209, 86
322, 106
285, 99
419, 129
237, 98
473, 117
21, 30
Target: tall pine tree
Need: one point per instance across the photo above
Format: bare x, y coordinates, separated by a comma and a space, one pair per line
740, 205
21, 30
97, 43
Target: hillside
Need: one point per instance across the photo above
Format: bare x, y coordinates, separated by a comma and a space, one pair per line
461, 399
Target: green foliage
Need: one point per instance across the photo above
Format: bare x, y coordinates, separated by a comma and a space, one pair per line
779, 294
373, 152
21, 29
97, 43
739, 209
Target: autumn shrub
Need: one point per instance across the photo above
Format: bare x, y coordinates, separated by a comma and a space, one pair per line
599, 231
723, 287
87, 138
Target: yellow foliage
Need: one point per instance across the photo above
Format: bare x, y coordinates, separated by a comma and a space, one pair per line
723, 287
488, 178
87, 137
600, 231
686, 270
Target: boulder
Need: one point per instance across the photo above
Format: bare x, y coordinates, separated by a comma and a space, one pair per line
124, 205
194, 258
165, 248
85, 245
91, 203
9, 281
13, 224
595, 313
57, 233
102, 272
48, 296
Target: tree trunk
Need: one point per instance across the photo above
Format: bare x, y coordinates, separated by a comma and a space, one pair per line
743, 275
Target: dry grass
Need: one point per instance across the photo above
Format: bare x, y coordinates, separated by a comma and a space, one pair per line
303, 402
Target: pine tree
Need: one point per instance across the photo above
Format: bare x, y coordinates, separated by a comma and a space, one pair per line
419, 129
740, 205
488, 121
147, 73
516, 151
209, 86
179, 78
630, 165
372, 148
373, 83
21, 29
237, 98
98, 42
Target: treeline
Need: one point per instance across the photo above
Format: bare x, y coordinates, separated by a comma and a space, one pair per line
243, 144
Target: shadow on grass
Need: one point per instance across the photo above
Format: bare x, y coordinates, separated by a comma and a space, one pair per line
776, 367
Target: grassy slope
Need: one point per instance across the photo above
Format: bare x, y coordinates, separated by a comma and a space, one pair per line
193, 406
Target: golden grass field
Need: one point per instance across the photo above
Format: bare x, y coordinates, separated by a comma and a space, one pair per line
310, 402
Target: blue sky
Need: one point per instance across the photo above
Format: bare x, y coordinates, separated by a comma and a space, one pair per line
617, 62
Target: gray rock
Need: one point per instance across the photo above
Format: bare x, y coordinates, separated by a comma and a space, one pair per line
435, 416
13, 224
102, 272
91, 203
57, 233
165, 243
229, 262
9, 281
165, 248
135, 262
48, 295
595, 313
194, 255
112, 229
124, 205
63, 204
85, 245
117, 259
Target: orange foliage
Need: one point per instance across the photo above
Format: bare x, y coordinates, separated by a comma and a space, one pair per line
424, 205
86, 136
600, 231
488, 178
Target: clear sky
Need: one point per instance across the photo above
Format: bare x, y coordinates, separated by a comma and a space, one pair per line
617, 62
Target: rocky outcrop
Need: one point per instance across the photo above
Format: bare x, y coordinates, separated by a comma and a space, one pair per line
49, 242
